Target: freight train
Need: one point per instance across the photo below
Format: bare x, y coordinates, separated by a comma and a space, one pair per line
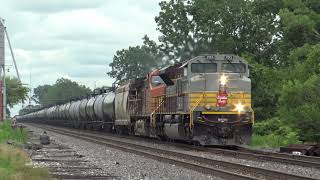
205, 100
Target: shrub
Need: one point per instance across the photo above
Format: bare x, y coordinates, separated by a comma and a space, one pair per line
299, 107
272, 133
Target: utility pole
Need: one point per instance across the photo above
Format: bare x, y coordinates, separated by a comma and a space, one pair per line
3, 34
2, 71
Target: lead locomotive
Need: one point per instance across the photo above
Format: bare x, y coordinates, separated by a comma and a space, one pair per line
206, 100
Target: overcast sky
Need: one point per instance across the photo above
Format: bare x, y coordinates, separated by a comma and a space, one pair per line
75, 39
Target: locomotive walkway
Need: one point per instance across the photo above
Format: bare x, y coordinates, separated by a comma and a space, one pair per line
213, 167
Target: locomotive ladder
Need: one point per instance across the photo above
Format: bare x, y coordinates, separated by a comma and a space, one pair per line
193, 108
152, 117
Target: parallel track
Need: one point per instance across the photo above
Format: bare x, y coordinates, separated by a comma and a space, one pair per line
209, 166
256, 155
240, 152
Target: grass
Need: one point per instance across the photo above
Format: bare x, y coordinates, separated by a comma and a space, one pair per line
6, 133
274, 140
13, 160
13, 165
272, 133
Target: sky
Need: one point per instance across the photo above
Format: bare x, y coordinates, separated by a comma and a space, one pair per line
74, 39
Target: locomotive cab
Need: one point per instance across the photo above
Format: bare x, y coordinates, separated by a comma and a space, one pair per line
219, 99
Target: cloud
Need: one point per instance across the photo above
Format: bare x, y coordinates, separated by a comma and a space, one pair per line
75, 39
52, 6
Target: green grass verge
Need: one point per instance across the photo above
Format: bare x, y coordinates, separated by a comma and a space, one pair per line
6, 133
273, 140
272, 133
13, 165
13, 160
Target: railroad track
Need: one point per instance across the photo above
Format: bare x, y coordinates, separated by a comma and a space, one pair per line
256, 155
240, 152
218, 168
307, 161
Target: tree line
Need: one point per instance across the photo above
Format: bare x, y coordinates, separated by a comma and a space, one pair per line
61, 91
279, 38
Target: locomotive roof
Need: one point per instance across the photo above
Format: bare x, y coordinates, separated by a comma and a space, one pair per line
215, 57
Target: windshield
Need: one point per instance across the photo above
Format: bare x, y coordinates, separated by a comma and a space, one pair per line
156, 81
203, 67
234, 67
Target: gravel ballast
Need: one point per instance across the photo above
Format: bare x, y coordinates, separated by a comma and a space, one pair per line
122, 164
282, 167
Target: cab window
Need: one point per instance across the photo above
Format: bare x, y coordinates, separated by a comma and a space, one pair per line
203, 67
234, 67
156, 81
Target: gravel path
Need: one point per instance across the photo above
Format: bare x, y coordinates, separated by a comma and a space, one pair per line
122, 164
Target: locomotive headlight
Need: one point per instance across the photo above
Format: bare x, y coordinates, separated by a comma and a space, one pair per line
223, 79
239, 107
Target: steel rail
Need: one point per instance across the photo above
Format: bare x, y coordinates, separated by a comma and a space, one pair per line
202, 164
310, 159
262, 156
240, 152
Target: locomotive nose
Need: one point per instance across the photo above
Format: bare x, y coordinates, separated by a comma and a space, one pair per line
225, 132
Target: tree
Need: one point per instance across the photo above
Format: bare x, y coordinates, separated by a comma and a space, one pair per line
62, 90
250, 29
40, 91
266, 85
300, 107
135, 61
300, 25
16, 93
193, 27
298, 104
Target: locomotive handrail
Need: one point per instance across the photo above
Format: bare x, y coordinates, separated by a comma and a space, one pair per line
193, 108
152, 113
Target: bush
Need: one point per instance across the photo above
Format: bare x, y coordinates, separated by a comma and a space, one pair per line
300, 107
272, 133
274, 140
266, 127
